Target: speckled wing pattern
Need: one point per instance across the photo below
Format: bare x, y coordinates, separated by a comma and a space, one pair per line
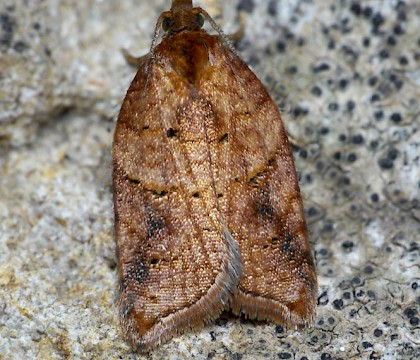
261, 201
178, 261
208, 210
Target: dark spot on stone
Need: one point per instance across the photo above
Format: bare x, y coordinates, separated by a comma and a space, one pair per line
374, 197
316, 90
279, 329
347, 245
374, 98
397, 81
351, 158
323, 299
377, 332
281, 46
351, 54
324, 130
350, 105
357, 139
371, 294
272, 7
301, 41
221, 321
303, 153
360, 293
377, 20
398, 30
384, 54
355, 8
323, 252
392, 41
393, 154
7, 26
326, 356
320, 165
396, 117
372, 81
333, 106
320, 68
379, 115
236, 356
298, 111
366, 344
246, 5
410, 312
343, 83
402, 16
345, 180
288, 34
366, 42
386, 163
413, 247
312, 211
20, 46
414, 321
284, 355
403, 60
338, 304
367, 12
369, 270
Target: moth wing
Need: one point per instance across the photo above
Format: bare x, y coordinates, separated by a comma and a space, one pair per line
178, 263
259, 197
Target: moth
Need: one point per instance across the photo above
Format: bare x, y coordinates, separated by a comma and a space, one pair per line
208, 211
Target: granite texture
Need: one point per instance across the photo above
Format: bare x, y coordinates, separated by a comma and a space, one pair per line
346, 75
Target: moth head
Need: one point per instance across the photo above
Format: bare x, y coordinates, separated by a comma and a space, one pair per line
182, 17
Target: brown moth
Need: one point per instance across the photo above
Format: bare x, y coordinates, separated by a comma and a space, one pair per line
208, 212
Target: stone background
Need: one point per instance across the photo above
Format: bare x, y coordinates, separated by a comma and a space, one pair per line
346, 75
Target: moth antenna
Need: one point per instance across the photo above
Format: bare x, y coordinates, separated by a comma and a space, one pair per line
217, 28
157, 29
